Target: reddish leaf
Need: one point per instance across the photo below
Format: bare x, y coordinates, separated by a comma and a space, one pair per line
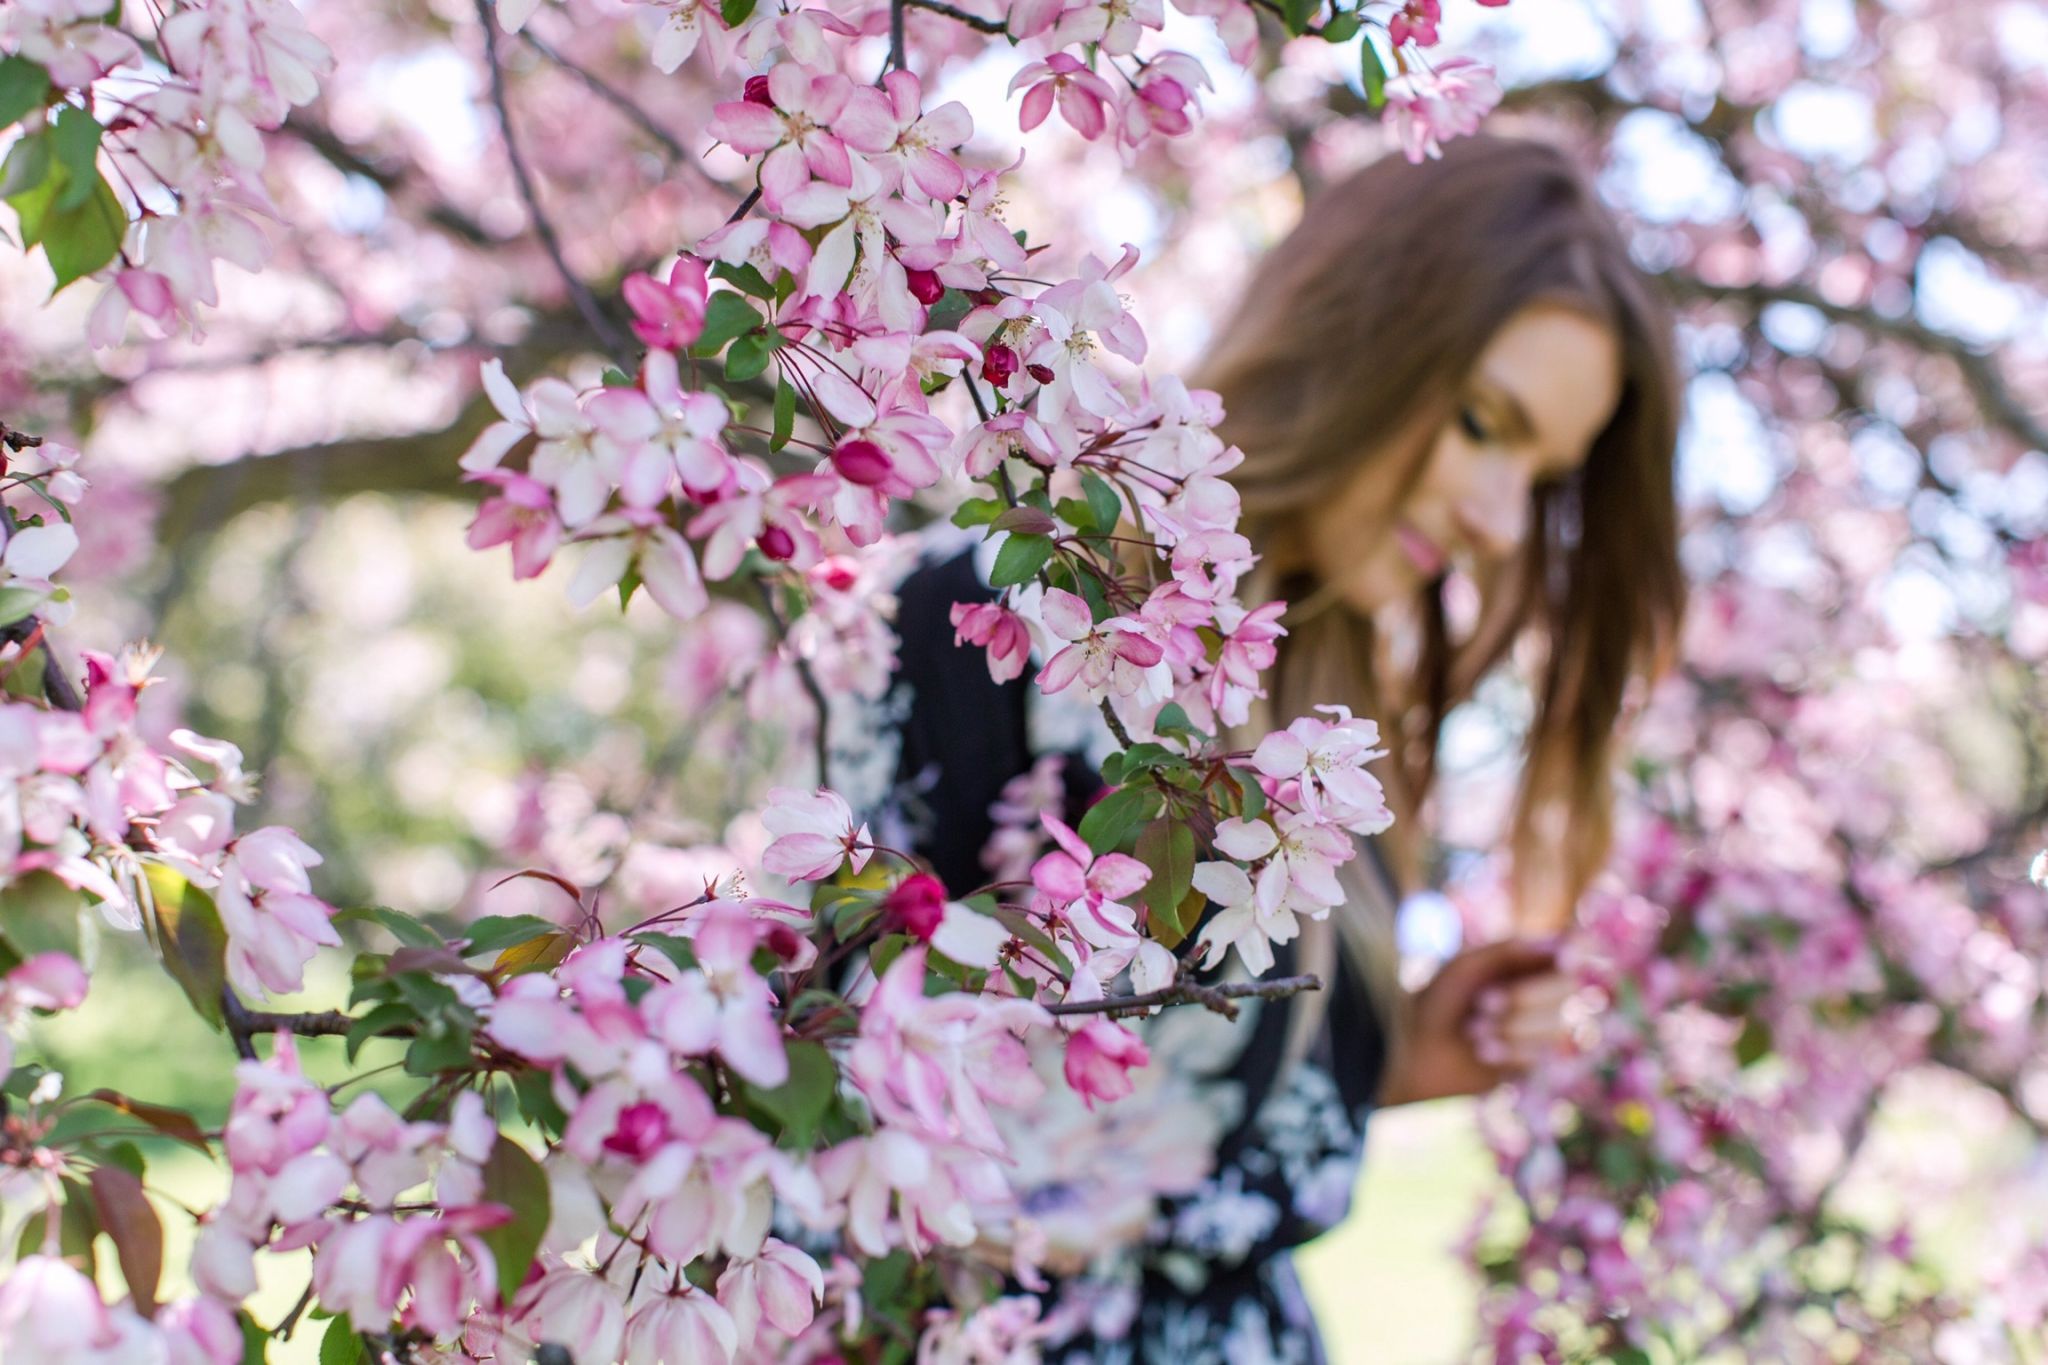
172, 1123
137, 1234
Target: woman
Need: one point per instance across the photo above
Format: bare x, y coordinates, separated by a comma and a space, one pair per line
1449, 377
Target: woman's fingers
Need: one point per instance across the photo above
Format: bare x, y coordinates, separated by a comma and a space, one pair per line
1515, 1024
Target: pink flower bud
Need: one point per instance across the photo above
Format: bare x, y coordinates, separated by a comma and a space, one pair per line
925, 286
757, 92
861, 462
917, 905
999, 364
1042, 373
776, 543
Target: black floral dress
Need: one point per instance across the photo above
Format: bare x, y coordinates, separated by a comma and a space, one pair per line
1190, 1193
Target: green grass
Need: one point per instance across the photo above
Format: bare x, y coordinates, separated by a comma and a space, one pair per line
1388, 1285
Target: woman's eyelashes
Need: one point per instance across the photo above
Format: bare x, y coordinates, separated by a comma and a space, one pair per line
1474, 425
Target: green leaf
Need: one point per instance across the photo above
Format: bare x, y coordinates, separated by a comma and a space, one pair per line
81, 239
1019, 560
341, 1345
1373, 72
125, 1155
1078, 513
402, 927
441, 1046
785, 414
255, 1338
1252, 799
514, 1179
676, 949
799, 1103
1168, 847
1172, 719
18, 603
977, 512
23, 86
726, 315
744, 275
735, 12
1110, 821
75, 142
134, 1229
1109, 508
493, 933
748, 357
375, 1022
616, 378
27, 166
188, 932
1341, 27
1297, 14
1755, 1043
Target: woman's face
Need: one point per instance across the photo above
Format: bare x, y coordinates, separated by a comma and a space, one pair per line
1543, 388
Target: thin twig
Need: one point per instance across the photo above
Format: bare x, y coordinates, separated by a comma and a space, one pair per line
820, 740
613, 96
586, 303
1217, 998
961, 16
896, 45
746, 206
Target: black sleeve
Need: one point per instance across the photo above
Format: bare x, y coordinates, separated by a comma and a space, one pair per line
965, 735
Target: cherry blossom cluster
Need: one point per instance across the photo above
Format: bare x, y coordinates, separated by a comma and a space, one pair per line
1084, 59
1767, 968
178, 116
90, 801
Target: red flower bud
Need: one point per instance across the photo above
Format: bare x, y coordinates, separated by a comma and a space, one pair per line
861, 462
776, 543
998, 364
757, 92
917, 905
1042, 373
925, 285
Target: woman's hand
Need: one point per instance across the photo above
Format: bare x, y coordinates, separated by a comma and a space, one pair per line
1489, 1013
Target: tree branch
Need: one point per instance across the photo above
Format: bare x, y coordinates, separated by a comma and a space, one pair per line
322, 140
1979, 371
1217, 998
958, 16
613, 96
586, 303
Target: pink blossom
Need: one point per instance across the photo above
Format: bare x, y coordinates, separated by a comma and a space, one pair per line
1084, 98
1002, 633
794, 129
1243, 920
1100, 1058
523, 513
892, 123
781, 1286
814, 834
668, 316
686, 1327
938, 1061
1428, 107
1107, 658
1328, 759
51, 1312
1090, 891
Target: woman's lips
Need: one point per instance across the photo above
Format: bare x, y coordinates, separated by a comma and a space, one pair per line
1424, 553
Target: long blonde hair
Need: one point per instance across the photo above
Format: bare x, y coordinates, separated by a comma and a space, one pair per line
1352, 342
